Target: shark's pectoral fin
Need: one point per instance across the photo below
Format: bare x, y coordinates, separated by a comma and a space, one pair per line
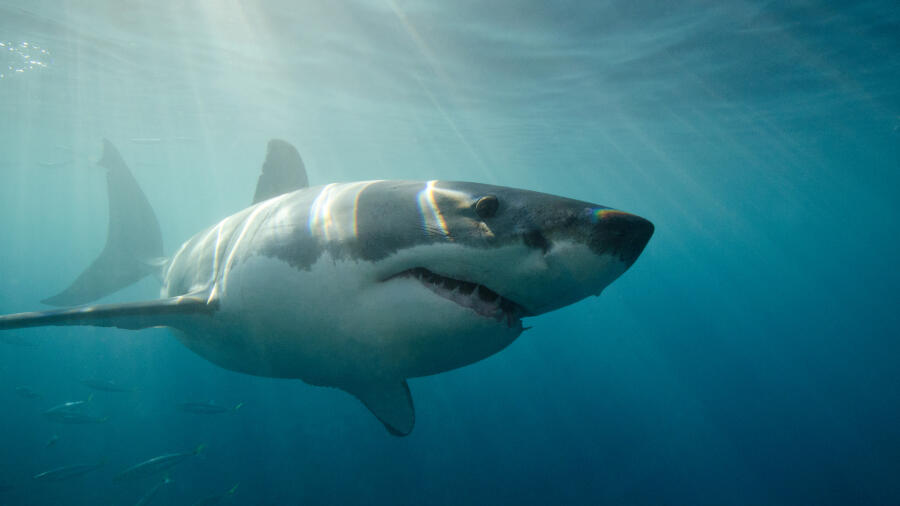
171, 312
390, 402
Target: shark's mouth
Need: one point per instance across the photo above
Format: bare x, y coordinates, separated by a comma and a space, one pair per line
478, 298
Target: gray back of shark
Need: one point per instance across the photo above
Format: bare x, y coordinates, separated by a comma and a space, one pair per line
358, 285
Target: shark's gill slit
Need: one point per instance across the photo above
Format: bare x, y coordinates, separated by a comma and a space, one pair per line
474, 296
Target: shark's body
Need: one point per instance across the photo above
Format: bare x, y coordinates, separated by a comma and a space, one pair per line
357, 285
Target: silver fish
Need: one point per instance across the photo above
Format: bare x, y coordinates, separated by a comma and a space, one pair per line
105, 385
69, 406
156, 465
74, 417
68, 472
207, 408
151, 494
27, 393
216, 499
56, 163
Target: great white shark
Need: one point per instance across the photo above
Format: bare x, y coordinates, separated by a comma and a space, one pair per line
357, 286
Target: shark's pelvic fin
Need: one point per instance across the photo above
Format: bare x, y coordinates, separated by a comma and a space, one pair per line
390, 402
171, 312
282, 172
133, 242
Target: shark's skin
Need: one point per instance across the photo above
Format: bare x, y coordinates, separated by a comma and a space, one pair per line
305, 283
362, 285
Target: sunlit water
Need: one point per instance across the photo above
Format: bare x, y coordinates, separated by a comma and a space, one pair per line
748, 357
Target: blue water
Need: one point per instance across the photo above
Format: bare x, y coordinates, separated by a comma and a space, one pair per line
750, 356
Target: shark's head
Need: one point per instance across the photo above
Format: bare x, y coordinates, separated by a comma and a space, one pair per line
537, 252
467, 259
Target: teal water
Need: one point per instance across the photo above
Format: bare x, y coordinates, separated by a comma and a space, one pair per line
748, 357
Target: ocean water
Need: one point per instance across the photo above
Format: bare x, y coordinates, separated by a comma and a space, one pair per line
750, 356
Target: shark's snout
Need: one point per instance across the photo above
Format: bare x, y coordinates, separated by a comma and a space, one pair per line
619, 233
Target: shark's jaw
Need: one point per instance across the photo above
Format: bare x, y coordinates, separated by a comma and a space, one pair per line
473, 296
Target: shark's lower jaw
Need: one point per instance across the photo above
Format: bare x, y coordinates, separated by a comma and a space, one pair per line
478, 298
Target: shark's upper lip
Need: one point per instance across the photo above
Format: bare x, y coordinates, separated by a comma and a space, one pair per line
474, 296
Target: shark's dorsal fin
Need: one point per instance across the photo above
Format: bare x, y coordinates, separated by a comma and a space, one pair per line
171, 312
282, 172
390, 402
133, 241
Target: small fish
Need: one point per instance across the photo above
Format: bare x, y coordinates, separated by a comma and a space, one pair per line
69, 406
74, 418
156, 465
105, 385
146, 140
216, 499
27, 393
68, 472
151, 494
56, 164
207, 408
53, 440
71, 413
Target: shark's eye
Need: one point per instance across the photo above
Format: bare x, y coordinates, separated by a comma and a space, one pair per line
487, 206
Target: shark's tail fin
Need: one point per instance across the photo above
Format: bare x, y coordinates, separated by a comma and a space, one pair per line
133, 244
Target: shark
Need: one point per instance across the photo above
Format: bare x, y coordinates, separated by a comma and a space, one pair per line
357, 286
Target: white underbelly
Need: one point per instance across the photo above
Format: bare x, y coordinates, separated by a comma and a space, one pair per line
336, 324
